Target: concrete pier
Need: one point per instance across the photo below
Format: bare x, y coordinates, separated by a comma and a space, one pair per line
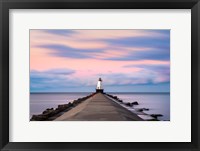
98, 108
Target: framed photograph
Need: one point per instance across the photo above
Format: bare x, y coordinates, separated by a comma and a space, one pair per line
129, 68
99, 75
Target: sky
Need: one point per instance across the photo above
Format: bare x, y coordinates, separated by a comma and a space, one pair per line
65, 60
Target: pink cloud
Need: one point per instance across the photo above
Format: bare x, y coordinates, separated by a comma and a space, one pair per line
40, 38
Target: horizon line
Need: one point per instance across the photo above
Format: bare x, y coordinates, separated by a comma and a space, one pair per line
94, 92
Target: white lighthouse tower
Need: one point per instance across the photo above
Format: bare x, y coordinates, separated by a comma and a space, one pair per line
99, 87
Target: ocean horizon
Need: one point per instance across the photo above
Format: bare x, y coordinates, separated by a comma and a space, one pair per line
92, 92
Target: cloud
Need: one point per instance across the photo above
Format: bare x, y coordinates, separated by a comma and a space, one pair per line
55, 72
63, 80
45, 37
60, 32
148, 74
140, 55
164, 68
144, 77
65, 51
152, 42
118, 34
52, 79
60, 71
115, 53
157, 88
160, 72
155, 48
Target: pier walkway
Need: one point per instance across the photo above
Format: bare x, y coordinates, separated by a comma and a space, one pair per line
98, 108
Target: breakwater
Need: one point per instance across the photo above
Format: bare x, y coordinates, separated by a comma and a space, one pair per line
50, 113
96, 107
138, 111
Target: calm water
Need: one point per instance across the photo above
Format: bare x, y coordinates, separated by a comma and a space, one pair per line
158, 103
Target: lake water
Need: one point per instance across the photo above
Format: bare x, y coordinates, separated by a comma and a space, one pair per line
158, 103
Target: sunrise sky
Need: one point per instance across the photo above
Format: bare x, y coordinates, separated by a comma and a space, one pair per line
73, 60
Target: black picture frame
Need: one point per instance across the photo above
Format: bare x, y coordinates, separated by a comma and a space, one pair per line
5, 5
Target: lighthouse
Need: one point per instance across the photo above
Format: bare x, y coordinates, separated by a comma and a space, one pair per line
99, 87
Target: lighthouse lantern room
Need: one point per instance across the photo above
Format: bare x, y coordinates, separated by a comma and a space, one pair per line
99, 87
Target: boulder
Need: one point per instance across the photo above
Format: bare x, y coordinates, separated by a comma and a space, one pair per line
139, 110
142, 109
156, 115
47, 111
63, 107
40, 117
115, 97
76, 102
135, 103
54, 112
69, 104
119, 100
59, 110
129, 104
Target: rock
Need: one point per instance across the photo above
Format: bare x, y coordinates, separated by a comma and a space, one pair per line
139, 110
115, 97
79, 99
63, 107
47, 111
119, 100
145, 109
129, 104
156, 115
76, 102
59, 110
50, 112
54, 112
135, 103
40, 117
69, 104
